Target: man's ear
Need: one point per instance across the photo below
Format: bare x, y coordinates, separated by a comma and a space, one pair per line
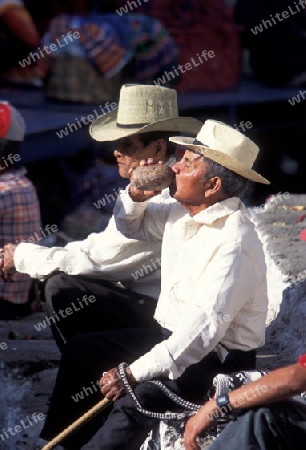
161, 149
213, 187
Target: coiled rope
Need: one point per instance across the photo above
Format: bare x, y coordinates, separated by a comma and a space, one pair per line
190, 408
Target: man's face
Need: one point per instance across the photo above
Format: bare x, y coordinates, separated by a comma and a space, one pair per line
130, 151
189, 174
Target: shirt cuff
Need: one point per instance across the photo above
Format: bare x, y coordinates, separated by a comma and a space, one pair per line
157, 362
19, 254
23, 255
143, 372
131, 207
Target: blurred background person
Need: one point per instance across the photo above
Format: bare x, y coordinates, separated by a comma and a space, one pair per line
19, 211
18, 36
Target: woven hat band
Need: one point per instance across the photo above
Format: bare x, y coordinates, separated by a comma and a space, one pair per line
132, 125
197, 142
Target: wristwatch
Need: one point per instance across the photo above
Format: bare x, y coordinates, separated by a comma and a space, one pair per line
225, 409
223, 404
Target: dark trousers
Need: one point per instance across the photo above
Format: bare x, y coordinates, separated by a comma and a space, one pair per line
279, 426
111, 308
84, 359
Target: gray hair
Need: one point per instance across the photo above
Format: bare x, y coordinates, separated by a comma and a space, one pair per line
233, 185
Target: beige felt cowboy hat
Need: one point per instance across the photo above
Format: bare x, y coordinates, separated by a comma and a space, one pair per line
227, 147
143, 109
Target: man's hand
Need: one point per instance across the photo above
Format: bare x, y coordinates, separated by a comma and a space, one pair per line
111, 385
7, 265
199, 424
137, 195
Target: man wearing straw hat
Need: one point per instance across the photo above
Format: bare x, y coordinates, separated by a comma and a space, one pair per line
212, 308
84, 296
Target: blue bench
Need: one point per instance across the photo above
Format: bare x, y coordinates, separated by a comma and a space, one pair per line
45, 118
249, 92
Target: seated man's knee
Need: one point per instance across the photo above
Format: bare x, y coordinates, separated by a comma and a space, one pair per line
56, 283
54, 288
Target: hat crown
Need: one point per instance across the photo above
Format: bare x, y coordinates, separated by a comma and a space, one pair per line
143, 104
219, 136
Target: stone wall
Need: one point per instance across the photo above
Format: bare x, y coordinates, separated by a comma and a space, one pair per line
280, 223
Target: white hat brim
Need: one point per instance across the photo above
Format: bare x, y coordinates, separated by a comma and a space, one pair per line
221, 158
105, 128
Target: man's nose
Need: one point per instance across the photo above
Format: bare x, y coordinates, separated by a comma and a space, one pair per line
117, 153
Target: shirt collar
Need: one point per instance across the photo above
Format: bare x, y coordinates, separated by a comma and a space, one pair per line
218, 210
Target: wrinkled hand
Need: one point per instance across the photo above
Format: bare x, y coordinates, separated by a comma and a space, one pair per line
137, 195
7, 266
111, 385
199, 424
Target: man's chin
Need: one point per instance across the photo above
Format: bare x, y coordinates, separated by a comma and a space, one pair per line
177, 196
123, 173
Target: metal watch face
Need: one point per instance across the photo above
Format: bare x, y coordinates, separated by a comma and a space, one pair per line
222, 400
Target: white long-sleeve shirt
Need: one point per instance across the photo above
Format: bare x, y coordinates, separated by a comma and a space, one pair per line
213, 281
107, 255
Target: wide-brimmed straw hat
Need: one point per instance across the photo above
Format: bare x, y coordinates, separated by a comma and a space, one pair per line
143, 109
226, 146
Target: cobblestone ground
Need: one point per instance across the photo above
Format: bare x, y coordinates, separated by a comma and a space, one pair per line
27, 375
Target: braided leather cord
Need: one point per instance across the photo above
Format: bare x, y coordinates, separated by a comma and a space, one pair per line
190, 408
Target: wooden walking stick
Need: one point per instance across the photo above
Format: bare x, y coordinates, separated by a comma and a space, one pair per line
78, 423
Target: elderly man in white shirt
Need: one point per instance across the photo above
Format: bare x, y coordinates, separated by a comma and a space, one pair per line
213, 303
86, 295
